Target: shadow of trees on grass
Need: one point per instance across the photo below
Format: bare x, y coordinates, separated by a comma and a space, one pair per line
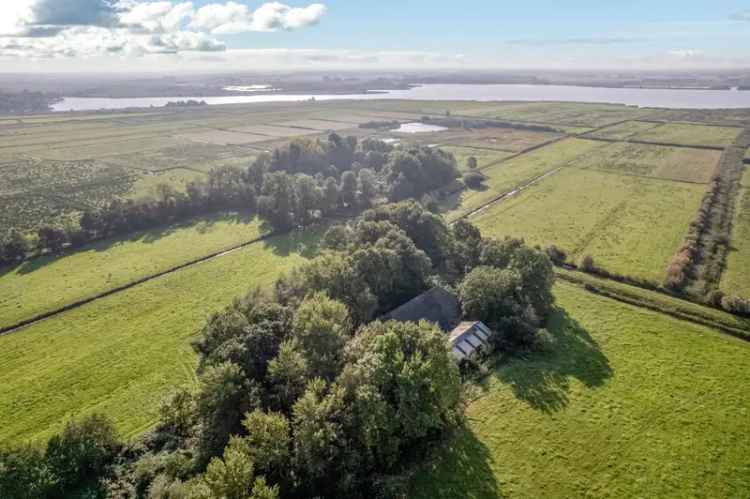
542, 380
460, 467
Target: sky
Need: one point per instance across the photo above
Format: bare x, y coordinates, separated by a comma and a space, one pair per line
219, 35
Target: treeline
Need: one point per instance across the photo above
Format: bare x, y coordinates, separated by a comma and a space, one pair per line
186, 103
294, 186
303, 393
477, 123
26, 102
381, 125
697, 266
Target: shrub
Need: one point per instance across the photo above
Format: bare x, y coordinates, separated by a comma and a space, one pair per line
473, 180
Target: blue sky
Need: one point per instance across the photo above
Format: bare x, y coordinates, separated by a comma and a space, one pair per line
390, 33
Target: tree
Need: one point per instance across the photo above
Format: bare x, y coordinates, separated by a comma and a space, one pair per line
473, 180
52, 239
25, 474
232, 477
404, 387
537, 277
367, 186
288, 374
81, 452
13, 248
471, 163
268, 441
331, 195
488, 294
318, 436
224, 396
348, 189
321, 327
308, 198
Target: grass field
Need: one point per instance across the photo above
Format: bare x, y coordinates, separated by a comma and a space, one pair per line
630, 225
670, 163
120, 355
505, 176
503, 139
485, 157
625, 130
47, 283
736, 277
560, 113
690, 135
625, 403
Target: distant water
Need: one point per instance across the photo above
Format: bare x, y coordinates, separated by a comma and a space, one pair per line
418, 128
643, 97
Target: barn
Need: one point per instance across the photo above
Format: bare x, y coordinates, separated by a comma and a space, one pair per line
441, 307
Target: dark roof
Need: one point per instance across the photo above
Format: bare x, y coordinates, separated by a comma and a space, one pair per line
436, 305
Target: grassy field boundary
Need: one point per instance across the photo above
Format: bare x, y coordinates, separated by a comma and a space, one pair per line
651, 143
639, 297
84, 301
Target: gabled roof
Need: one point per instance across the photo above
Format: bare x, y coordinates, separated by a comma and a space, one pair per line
436, 305
467, 338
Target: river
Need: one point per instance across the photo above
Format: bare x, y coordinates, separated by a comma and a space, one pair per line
643, 97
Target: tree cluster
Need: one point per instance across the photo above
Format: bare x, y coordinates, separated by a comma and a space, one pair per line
71, 460
477, 123
294, 186
302, 391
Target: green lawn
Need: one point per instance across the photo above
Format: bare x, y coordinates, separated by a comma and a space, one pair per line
736, 278
630, 225
120, 355
691, 135
624, 403
505, 176
670, 163
45, 284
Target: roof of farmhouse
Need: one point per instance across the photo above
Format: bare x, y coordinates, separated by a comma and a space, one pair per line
436, 305
467, 338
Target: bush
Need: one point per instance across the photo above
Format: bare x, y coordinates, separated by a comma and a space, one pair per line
587, 264
557, 255
473, 180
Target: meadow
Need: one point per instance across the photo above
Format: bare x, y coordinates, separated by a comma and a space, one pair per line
663, 162
122, 354
690, 135
736, 277
630, 225
48, 283
623, 131
484, 157
507, 175
569, 114
623, 403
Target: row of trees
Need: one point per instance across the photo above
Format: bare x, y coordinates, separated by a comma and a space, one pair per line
303, 393
294, 186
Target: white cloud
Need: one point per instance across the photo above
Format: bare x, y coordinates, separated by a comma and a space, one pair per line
687, 53
57, 28
741, 16
233, 17
157, 17
274, 15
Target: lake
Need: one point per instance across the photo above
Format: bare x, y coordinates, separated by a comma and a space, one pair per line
643, 97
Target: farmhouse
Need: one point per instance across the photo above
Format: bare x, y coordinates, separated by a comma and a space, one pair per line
442, 308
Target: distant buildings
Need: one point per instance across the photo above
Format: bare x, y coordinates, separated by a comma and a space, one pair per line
441, 307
